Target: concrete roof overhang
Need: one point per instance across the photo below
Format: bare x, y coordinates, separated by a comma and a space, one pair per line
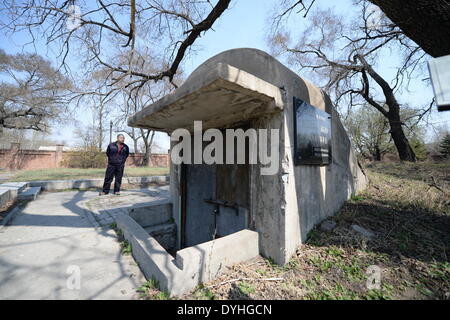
221, 97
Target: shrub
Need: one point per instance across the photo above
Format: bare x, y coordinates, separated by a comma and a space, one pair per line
90, 158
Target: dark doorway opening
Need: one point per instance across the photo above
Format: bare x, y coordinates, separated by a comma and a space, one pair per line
215, 200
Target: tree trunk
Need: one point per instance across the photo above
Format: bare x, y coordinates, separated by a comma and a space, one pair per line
147, 155
148, 145
100, 129
427, 22
405, 152
135, 140
377, 155
100, 126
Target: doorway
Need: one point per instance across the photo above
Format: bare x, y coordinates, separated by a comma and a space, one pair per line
215, 201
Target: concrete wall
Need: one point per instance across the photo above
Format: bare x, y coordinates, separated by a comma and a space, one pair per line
156, 220
17, 159
9, 192
286, 206
192, 265
54, 185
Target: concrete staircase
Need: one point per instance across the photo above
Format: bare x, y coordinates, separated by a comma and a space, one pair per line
17, 191
29, 194
10, 190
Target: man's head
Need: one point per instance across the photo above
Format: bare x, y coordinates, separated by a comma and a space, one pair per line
120, 138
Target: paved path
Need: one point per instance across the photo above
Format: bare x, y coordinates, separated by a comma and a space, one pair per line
54, 238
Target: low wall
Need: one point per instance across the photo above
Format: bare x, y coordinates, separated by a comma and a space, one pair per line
193, 265
6, 195
54, 185
156, 220
18, 159
10, 190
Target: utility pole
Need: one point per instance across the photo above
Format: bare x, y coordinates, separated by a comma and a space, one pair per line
110, 131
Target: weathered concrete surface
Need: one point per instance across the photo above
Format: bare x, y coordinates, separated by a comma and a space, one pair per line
157, 221
54, 185
104, 209
244, 95
8, 217
6, 195
53, 233
149, 215
192, 265
165, 234
10, 190
30, 193
284, 206
207, 260
19, 186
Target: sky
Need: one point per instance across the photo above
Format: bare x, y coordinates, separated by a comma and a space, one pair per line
244, 24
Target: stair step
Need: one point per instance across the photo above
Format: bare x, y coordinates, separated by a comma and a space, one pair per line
160, 228
19, 186
29, 193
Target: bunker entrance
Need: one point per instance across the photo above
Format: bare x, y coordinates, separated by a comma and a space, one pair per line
215, 199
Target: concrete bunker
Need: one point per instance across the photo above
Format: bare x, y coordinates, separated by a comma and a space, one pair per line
232, 211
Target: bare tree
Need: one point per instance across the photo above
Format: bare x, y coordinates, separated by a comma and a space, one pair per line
32, 92
369, 131
110, 34
343, 55
425, 22
101, 108
134, 102
28, 139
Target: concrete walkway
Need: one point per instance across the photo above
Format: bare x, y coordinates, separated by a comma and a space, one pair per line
53, 239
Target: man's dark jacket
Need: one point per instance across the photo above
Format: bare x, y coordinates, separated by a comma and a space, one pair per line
114, 156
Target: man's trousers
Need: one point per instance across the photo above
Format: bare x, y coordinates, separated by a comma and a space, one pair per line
113, 171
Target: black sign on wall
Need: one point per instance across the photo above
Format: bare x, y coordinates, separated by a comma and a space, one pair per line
312, 134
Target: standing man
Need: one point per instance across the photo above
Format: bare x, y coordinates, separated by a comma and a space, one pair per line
117, 153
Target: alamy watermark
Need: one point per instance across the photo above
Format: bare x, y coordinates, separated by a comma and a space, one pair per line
259, 140
73, 281
74, 17
373, 273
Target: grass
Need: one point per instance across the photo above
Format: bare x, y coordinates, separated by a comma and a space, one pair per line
150, 290
203, 293
246, 288
78, 173
125, 247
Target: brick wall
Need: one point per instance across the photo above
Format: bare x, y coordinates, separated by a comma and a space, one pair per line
15, 158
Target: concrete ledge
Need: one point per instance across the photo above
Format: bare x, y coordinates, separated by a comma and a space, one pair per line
211, 257
165, 234
156, 219
19, 186
149, 215
10, 190
31, 193
8, 217
55, 185
192, 265
153, 259
218, 97
6, 195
